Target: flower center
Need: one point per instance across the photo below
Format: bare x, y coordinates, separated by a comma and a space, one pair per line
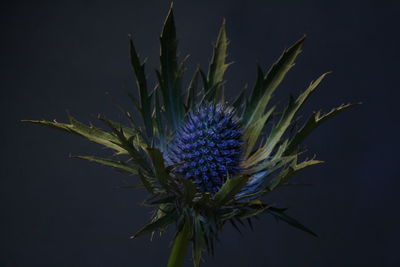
208, 147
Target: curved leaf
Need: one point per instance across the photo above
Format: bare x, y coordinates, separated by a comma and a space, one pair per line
119, 165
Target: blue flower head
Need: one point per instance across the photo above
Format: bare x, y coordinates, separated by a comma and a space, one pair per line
208, 146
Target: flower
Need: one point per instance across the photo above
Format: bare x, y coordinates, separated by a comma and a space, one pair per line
203, 162
208, 147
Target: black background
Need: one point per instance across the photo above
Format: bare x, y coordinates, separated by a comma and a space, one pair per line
65, 55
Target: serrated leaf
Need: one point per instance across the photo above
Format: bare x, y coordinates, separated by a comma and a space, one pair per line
218, 66
313, 122
240, 100
146, 183
169, 76
157, 224
193, 90
252, 133
279, 214
134, 135
158, 164
278, 131
161, 173
229, 189
211, 93
138, 157
159, 121
89, 132
161, 210
271, 165
293, 169
258, 89
119, 165
145, 99
265, 86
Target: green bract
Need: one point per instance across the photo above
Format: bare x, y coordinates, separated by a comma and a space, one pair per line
269, 159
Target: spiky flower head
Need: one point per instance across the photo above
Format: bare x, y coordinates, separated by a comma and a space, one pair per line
208, 146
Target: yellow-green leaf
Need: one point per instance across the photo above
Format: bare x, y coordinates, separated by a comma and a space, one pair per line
119, 165
229, 189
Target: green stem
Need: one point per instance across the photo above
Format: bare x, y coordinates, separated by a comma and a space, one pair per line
180, 247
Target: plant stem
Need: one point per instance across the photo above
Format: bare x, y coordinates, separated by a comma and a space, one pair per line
180, 247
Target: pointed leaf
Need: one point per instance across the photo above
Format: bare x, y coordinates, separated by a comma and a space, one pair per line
138, 157
145, 99
161, 173
132, 134
279, 214
193, 90
217, 66
240, 100
293, 169
159, 121
265, 87
286, 119
119, 165
146, 183
89, 132
169, 76
313, 122
253, 132
229, 189
159, 223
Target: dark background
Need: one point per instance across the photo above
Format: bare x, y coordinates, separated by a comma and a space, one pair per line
65, 55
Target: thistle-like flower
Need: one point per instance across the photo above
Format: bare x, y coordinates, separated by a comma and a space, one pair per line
206, 161
207, 148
